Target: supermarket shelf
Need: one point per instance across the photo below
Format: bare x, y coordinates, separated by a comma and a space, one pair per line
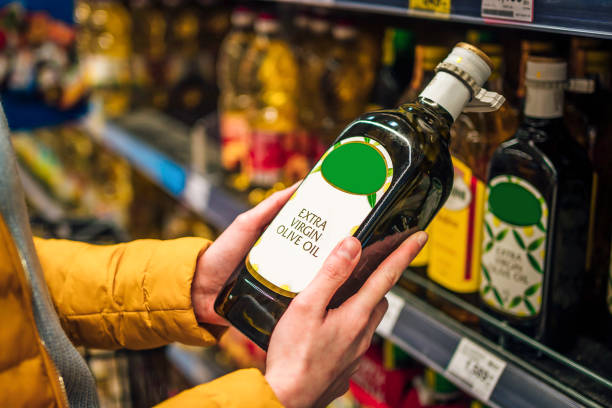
432, 337
130, 138
591, 18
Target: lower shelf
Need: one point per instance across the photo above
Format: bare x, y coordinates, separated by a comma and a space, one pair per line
547, 380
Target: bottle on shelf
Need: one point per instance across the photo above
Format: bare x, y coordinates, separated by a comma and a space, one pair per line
536, 217
106, 59
456, 232
304, 146
587, 115
234, 100
384, 178
347, 81
271, 68
531, 49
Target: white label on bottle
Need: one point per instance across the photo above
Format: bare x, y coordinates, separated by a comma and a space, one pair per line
518, 10
330, 204
396, 304
475, 368
514, 247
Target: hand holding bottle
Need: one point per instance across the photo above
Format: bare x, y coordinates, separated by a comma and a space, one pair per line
314, 351
216, 264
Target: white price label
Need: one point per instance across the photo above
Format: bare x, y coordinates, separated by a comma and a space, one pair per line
518, 10
197, 192
396, 304
476, 368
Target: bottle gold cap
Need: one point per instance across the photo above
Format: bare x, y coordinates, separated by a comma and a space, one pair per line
476, 51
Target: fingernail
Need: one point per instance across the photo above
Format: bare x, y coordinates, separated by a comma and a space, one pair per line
349, 248
421, 238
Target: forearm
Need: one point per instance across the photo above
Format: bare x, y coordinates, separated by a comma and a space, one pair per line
133, 295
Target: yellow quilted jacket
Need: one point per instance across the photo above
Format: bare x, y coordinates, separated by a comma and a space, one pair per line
134, 295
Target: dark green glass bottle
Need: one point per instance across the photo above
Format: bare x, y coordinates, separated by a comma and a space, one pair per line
537, 217
385, 177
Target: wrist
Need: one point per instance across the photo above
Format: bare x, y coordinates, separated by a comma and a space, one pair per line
203, 296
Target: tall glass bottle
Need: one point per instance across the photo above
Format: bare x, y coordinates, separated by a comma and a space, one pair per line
305, 147
347, 81
233, 99
456, 232
537, 216
385, 177
106, 62
271, 67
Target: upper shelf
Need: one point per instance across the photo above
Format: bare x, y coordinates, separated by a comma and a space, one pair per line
592, 18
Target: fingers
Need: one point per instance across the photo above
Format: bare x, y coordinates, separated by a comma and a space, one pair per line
334, 272
375, 319
388, 273
250, 224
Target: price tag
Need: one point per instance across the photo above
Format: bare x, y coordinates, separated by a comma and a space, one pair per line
396, 303
435, 6
476, 368
518, 10
197, 192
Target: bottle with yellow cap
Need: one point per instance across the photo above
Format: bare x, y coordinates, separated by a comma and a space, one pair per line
383, 178
347, 80
536, 217
234, 99
271, 70
456, 232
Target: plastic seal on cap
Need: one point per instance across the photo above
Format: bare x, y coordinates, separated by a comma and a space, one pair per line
472, 67
540, 69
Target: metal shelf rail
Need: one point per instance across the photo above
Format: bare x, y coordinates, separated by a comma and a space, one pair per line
592, 18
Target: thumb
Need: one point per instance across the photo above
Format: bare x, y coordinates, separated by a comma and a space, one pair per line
337, 268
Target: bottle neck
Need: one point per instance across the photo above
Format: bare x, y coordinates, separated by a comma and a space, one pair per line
448, 92
544, 102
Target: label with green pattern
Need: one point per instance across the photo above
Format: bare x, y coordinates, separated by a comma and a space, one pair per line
514, 246
330, 204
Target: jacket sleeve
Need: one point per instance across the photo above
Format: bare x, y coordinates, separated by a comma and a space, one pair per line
242, 388
135, 295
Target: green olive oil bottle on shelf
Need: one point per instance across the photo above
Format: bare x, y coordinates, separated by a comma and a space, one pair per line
537, 217
384, 177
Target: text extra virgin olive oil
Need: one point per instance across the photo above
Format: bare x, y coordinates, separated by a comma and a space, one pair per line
385, 177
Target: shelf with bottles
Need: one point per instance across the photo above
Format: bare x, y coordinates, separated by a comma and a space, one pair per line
160, 148
574, 17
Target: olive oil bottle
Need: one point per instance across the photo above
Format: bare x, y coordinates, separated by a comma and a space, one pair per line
233, 99
384, 177
456, 232
537, 217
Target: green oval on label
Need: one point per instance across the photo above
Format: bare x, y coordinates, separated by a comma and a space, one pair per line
355, 167
514, 204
